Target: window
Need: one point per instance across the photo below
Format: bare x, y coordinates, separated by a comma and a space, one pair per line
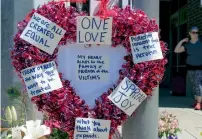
183, 34
182, 3
85, 6
174, 6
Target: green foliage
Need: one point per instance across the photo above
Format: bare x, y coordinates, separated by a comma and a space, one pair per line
13, 92
6, 134
58, 134
19, 101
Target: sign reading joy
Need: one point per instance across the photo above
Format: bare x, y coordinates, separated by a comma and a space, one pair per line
94, 30
127, 96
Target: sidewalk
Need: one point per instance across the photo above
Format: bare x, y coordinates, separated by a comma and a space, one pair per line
190, 120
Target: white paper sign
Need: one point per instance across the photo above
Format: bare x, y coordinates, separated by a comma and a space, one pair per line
94, 30
145, 47
41, 79
87, 128
43, 33
92, 68
67, 65
127, 96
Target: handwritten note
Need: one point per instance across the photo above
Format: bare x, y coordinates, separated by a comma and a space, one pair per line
94, 30
92, 68
42, 33
41, 79
87, 128
127, 96
145, 47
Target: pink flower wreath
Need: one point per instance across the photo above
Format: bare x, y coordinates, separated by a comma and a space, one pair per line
62, 106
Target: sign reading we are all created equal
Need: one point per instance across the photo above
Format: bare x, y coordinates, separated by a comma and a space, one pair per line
87, 128
41, 79
43, 33
145, 47
94, 30
127, 96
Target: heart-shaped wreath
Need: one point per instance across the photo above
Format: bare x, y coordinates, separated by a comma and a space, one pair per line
62, 106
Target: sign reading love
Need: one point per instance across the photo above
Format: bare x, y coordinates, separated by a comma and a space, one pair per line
94, 30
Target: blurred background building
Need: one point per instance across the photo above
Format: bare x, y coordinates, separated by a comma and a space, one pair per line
176, 17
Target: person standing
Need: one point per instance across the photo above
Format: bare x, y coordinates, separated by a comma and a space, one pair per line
193, 48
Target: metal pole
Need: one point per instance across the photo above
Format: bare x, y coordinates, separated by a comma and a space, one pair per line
125, 3
144, 125
7, 30
170, 49
67, 4
178, 37
79, 6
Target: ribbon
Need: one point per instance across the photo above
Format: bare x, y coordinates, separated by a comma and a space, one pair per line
103, 10
79, 1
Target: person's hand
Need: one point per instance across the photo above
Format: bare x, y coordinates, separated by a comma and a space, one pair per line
185, 40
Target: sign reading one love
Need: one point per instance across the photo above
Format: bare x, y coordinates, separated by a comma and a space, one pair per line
43, 33
94, 30
146, 47
87, 128
41, 79
127, 96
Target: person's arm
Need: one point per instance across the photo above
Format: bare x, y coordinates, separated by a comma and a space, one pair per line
179, 48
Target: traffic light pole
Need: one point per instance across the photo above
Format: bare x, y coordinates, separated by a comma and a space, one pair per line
144, 125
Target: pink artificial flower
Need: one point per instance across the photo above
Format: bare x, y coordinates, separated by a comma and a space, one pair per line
161, 123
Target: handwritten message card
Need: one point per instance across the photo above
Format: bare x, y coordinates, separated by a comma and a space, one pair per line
146, 47
92, 68
41, 79
127, 96
94, 30
43, 33
87, 128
